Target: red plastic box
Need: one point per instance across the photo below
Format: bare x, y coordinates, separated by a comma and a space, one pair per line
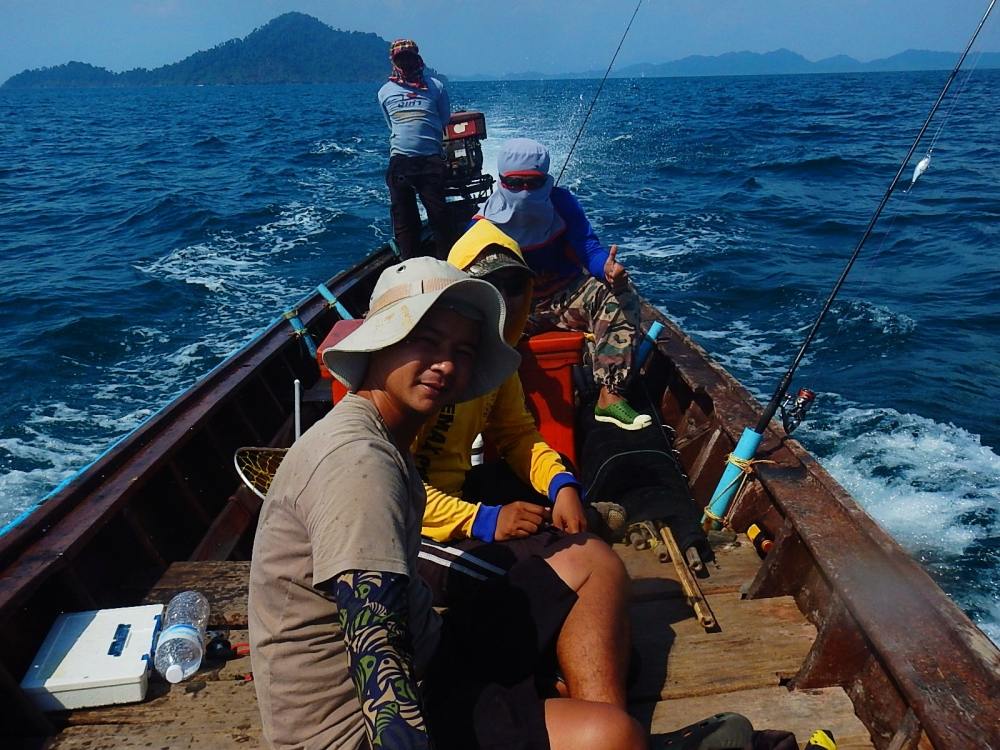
340, 329
547, 375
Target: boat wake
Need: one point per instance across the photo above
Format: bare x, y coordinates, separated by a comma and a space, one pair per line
934, 487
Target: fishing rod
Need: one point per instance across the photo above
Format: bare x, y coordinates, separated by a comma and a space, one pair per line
598, 93
740, 460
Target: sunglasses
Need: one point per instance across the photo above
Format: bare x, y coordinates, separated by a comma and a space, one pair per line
519, 182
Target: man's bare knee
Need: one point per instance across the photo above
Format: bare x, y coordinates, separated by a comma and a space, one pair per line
575, 564
584, 725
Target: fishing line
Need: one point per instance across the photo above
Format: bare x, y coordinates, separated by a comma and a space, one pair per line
598, 93
782, 388
874, 258
954, 100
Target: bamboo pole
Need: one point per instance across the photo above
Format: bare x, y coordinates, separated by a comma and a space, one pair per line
688, 582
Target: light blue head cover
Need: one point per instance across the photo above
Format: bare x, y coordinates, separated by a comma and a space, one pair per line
526, 216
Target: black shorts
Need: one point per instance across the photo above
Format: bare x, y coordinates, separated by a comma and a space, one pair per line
489, 678
454, 570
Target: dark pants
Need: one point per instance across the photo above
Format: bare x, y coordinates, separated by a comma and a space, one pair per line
407, 177
488, 680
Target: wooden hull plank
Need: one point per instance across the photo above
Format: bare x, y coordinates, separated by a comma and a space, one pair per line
735, 565
224, 583
131, 737
801, 712
759, 643
189, 707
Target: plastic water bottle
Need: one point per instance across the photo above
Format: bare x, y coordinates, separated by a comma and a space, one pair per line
181, 644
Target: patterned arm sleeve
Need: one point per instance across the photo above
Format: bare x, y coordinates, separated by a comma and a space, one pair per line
373, 608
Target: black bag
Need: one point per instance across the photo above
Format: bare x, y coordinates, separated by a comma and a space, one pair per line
639, 470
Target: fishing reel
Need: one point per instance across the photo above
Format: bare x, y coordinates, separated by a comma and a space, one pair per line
794, 409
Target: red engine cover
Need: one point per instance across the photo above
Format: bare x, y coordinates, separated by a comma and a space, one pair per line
465, 125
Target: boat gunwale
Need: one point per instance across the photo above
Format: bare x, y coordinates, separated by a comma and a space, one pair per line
965, 658
28, 544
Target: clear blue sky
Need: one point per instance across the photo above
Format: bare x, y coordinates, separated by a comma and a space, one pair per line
493, 36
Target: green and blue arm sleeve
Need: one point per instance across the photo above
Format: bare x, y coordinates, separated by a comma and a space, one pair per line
373, 608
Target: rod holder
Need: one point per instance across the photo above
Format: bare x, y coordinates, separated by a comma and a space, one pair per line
730, 481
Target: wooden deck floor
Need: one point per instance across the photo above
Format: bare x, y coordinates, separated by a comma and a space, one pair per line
686, 673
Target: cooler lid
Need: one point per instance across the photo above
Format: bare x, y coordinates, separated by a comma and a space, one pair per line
95, 649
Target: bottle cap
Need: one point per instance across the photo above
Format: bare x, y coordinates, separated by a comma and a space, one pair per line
174, 673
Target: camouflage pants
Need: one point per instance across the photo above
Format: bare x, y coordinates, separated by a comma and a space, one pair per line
588, 305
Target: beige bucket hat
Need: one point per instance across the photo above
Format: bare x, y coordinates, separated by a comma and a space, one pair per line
402, 296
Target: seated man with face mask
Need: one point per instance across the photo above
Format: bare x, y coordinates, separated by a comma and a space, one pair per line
580, 286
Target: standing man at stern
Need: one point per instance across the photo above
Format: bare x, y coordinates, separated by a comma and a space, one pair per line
417, 110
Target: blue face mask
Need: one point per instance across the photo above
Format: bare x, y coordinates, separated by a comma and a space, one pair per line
526, 216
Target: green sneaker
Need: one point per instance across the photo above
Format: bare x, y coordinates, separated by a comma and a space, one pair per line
620, 414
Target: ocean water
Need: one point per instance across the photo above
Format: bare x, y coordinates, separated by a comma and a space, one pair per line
146, 234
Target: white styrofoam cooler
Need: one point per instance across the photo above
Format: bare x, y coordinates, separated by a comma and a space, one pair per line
94, 658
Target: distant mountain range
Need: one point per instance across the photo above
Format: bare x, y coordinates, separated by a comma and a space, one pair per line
297, 48
778, 62
292, 48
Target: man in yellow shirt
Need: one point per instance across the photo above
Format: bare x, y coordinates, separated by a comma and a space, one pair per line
468, 542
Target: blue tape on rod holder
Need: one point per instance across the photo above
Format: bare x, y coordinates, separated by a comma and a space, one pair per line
723, 495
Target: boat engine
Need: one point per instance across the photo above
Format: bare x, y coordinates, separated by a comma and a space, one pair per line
464, 178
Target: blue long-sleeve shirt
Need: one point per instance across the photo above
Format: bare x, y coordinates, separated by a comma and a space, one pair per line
416, 117
575, 249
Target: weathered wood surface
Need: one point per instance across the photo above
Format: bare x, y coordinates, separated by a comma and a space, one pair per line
758, 644
224, 584
215, 708
735, 565
685, 672
130, 737
799, 712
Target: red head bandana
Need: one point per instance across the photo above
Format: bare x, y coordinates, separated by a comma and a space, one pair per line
411, 75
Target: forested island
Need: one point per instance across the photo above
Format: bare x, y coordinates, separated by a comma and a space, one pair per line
292, 48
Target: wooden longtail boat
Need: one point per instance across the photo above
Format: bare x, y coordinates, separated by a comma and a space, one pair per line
836, 628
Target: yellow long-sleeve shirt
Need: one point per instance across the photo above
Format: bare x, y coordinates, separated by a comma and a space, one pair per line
443, 448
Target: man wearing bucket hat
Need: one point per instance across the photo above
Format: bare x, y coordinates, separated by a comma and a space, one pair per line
416, 108
580, 285
341, 625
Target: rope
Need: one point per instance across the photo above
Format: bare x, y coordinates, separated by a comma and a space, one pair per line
599, 89
745, 465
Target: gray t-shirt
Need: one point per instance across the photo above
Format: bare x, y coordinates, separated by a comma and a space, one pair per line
416, 117
343, 499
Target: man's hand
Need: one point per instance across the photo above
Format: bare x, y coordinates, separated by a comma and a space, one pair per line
520, 519
614, 272
567, 513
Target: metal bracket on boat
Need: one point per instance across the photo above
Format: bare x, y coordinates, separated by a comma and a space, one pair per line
292, 316
332, 301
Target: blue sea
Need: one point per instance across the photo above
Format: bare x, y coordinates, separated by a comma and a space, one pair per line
145, 234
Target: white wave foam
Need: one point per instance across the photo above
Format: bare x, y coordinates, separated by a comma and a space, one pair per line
933, 487
332, 147
851, 313
920, 479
